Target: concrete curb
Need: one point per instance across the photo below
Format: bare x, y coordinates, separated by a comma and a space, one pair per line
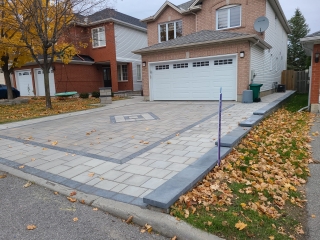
165, 224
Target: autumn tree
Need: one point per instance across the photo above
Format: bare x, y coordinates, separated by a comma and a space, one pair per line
42, 25
297, 58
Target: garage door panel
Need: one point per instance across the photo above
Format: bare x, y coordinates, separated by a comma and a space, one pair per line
200, 80
39, 77
24, 82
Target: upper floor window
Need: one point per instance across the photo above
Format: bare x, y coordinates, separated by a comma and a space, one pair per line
171, 30
229, 17
98, 37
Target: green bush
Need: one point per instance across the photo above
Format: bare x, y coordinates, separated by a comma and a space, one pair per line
84, 95
96, 94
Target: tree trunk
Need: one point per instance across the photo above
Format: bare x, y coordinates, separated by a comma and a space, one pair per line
6, 73
7, 79
47, 87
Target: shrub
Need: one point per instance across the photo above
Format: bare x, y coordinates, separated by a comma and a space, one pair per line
84, 95
96, 94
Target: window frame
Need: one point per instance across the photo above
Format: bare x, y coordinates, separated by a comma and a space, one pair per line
139, 74
99, 41
167, 30
121, 73
229, 16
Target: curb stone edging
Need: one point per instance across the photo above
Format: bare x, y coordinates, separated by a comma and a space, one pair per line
165, 224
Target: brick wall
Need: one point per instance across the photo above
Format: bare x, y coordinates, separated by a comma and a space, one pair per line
220, 49
206, 18
315, 83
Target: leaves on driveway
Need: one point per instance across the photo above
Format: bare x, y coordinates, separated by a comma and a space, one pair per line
28, 184
3, 176
71, 199
31, 227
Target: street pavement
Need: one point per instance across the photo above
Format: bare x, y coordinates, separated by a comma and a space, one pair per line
53, 216
313, 186
123, 151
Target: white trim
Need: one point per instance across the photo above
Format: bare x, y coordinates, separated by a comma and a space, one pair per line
167, 29
151, 98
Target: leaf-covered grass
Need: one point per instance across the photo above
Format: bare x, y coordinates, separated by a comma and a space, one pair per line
37, 108
296, 102
255, 193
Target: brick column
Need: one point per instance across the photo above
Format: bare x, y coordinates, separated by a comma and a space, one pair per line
130, 77
315, 81
114, 76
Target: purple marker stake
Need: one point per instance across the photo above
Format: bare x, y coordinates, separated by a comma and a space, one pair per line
219, 132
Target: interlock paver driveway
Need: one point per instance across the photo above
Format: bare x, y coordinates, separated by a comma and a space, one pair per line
122, 151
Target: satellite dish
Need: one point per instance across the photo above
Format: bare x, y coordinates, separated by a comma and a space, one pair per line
261, 24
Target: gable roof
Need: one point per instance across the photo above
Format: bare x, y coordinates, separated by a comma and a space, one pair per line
316, 34
205, 37
195, 5
109, 14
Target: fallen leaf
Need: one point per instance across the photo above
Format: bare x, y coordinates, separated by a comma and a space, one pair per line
28, 184
75, 219
31, 227
73, 155
54, 143
271, 237
82, 201
168, 142
88, 133
313, 216
95, 209
91, 174
3, 176
72, 199
186, 213
225, 223
33, 159
21, 166
142, 230
56, 193
148, 228
178, 134
174, 238
129, 220
209, 223
240, 225
44, 149
73, 193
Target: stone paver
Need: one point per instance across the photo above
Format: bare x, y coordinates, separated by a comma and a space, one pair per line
133, 147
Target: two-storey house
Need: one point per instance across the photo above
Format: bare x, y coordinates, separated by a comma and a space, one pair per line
105, 58
198, 47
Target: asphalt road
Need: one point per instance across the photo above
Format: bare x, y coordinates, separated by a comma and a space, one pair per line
53, 216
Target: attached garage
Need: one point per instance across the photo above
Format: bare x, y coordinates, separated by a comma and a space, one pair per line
39, 79
194, 79
24, 82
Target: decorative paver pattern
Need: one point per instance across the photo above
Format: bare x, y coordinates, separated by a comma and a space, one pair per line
124, 161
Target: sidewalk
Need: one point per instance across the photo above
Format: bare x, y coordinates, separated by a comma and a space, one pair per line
313, 186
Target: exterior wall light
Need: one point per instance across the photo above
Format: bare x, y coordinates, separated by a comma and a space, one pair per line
242, 54
144, 64
316, 59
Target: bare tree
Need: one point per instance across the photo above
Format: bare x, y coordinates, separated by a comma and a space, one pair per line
43, 25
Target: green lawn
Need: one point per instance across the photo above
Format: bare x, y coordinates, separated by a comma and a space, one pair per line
296, 102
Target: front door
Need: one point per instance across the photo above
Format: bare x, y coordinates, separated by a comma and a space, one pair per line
107, 77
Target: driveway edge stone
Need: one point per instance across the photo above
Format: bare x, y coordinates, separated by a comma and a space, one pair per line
162, 223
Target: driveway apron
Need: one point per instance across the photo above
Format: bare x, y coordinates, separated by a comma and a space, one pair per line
123, 151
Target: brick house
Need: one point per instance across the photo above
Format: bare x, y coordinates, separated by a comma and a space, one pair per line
311, 44
201, 45
107, 61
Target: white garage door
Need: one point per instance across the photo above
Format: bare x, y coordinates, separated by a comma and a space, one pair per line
197, 79
39, 78
24, 82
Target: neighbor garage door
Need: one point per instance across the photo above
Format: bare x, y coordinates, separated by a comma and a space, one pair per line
39, 78
197, 79
24, 82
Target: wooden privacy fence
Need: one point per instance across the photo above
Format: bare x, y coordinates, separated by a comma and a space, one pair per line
295, 80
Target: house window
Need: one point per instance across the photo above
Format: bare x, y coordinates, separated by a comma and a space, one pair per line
122, 72
229, 17
139, 72
162, 67
171, 30
98, 37
200, 64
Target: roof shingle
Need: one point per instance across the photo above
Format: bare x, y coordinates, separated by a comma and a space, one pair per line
316, 34
198, 37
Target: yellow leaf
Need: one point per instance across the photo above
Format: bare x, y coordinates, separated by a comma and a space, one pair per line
56, 193
44, 149
91, 174
271, 237
75, 219
174, 238
209, 223
240, 225
313, 216
243, 205
54, 143
186, 213
3, 176
72, 199
31, 227
129, 220
28, 184
21, 166
148, 228
95, 209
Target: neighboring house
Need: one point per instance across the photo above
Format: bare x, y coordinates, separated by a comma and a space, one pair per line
1, 77
107, 61
311, 44
199, 46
